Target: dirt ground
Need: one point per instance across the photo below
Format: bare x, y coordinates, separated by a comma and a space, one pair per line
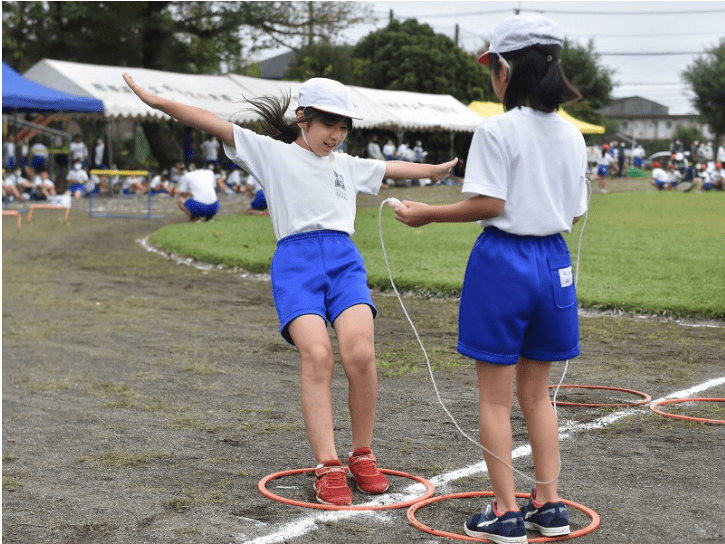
143, 401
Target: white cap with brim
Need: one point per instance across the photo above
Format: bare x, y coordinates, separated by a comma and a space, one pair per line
521, 31
327, 95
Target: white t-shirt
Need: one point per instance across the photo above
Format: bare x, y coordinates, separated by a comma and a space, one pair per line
235, 178
201, 184
78, 150
659, 174
536, 162
305, 192
77, 176
211, 149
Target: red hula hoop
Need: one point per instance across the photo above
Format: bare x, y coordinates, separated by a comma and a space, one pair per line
645, 397
421, 503
655, 405
262, 486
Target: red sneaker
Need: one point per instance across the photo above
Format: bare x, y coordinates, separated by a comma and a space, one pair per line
331, 484
367, 476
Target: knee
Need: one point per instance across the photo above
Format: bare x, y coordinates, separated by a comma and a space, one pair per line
359, 360
317, 363
533, 402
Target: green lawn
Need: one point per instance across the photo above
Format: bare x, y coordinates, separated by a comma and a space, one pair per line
651, 252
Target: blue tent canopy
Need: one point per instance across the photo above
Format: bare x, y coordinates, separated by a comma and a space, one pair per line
20, 93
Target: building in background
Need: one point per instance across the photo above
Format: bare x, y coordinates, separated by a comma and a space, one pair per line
643, 120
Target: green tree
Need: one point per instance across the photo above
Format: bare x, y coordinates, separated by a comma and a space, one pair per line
326, 60
583, 67
193, 37
410, 56
706, 77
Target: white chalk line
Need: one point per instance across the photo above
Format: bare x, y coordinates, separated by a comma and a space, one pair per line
312, 522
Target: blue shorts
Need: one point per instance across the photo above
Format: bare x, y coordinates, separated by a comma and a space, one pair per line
603, 170
77, 187
197, 209
320, 273
518, 300
259, 202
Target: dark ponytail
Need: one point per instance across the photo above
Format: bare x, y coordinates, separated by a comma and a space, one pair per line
537, 79
272, 111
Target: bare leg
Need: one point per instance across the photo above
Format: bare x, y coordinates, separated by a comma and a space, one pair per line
317, 364
356, 338
495, 391
532, 389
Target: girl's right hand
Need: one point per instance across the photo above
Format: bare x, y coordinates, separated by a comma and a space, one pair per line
147, 97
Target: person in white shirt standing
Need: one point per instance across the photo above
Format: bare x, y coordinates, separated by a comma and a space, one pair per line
79, 151
312, 190
197, 192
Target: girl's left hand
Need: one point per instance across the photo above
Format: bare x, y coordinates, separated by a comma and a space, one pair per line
413, 214
443, 170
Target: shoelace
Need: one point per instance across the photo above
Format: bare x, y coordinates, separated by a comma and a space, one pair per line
335, 476
364, 464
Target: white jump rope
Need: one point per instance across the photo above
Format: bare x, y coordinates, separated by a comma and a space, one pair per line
395, 203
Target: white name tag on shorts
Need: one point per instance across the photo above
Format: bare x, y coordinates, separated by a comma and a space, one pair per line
565, 276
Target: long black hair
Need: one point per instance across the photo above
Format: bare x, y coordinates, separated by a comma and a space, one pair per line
272, 110
536, 79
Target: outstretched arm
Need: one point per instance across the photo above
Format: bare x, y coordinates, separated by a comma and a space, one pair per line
476, 208
198, 118
414, 170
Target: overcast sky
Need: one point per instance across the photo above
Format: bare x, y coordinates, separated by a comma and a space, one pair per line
631, 37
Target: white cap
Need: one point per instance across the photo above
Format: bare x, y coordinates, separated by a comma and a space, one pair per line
520, 31
327, 95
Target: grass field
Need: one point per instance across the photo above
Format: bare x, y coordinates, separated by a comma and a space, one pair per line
646, 252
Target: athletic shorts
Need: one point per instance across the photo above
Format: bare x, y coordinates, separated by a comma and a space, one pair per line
197, 209
320, 273
603, 170
77, 187
259, 202
518, 300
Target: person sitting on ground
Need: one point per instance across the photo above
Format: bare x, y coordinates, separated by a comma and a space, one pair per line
220, 179
134, 185
10, 187
717, 177
660, 178
43, 186
258, 205
160, 183
197, 194
236, 179
77, 178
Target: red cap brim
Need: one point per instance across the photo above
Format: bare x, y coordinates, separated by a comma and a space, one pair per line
484, 59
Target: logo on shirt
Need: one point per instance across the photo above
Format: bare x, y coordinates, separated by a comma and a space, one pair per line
340, 186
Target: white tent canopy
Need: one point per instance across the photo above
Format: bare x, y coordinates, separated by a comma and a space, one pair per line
225, 96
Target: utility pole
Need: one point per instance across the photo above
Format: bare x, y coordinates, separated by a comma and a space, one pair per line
456, 36
391, 16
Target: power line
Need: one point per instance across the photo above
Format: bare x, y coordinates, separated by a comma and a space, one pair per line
658, 54
562, 12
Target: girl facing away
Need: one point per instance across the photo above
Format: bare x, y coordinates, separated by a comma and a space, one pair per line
318, 274
526, 184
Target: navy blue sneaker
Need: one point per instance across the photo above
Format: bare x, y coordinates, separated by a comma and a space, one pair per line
550, 519
507, 528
